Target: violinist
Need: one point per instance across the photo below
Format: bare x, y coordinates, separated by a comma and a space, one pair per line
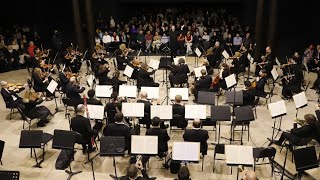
73, 92
41, 81
179, 72
221, 83
31, 99
99, 54
144, 78
122, 61
215, 57
116, 82
290, 85
72, 59
91, 99
267, 61
248, 94
261, 82
11, 97
125, 51
64, 80
202, 84
102, 74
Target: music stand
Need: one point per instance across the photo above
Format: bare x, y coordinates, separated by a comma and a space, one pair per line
277, 110
112, 146
52, 89
242, 114
234, 98
10, 175
32, 139
65, 140
220, 113
165, 64
186, 152
205, 97
300, 101
305, 159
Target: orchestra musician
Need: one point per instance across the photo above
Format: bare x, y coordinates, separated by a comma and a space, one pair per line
267, 62
99, 54
260, 83
144, 78
147, 108
248, 94
31, 99
73, 92
116, 82
122, 61
11, 98
41, 81
72, 59
202, 84
102, 74
64, 80
219, 80
91, 99
214, 57
179, 72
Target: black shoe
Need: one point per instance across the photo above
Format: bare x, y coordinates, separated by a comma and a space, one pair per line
41, 124
45, 121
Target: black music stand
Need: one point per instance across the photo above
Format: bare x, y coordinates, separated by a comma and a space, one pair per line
305, 159
55, 101
242, 115
112, 146
165, 64
220, 113
65, 140
32, 139
10, 175
234, 98
205, 97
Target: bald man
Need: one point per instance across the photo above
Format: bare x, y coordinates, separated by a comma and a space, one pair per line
73, 92
81, 125
250, 175
147, 108
196, 134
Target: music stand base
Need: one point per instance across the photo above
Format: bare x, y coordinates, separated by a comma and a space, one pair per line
113, 176
72, 173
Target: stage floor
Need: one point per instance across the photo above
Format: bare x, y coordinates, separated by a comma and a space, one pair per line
19, 159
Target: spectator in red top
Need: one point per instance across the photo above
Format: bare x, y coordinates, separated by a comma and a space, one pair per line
31, 48
148, 41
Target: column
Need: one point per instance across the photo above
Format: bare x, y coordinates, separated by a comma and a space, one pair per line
77, 24
90, 25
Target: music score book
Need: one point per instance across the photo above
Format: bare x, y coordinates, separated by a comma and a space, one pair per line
128, 71
153, 92
225, 54
154, 64
133, 109
161, 111
239, 155
231, 80
104, 91
128, 91
250, 58
196, 112
275, 73
184, 92
90, 80
198, 52
144, 144
186, 151
52, 86
300, 100
95, 111
277, 108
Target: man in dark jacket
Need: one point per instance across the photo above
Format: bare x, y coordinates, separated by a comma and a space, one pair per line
73, 92
197, 135
132, 173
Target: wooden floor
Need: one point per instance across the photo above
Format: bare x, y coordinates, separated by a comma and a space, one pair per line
19, 159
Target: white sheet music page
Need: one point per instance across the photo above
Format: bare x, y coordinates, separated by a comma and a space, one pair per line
154, 64
128, 91
277, 108
144, 144
231, 80
133, 109
176, 59
153, 92
197, 70
300, 99
90, 80
161, 111
198, 52
104, 91
196, 112
184, 92
250, 58
186, 151
225, 54
128, 71
275, 73
95, 111
239, 155
52, 86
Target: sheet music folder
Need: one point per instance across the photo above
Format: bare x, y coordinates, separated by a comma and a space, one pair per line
186, 151
31, 139
239, 155
277, 109
305, 158
112, 146
220, 113
144, 145
63, 139
205, 97
238, 100
244, 113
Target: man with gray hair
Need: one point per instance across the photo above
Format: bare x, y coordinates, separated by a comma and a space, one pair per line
81, 125
197, 135
147, 109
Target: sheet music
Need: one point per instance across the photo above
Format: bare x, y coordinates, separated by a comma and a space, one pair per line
278, 62
186, 151
197, 71
274, 73
104, 91
300, 100
144, 144
176, 59
198, 52
239, 155
52, 86
196, 112
225, 54
128, 91
133, 109
128, 71
184, 92
154, 64
277, 108
250, 58
90, 80
95, 111
153, 92
161, 111
231, 80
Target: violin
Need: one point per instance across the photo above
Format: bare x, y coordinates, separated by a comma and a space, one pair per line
70, 74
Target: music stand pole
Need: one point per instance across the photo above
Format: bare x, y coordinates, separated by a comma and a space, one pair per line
70, 172
55, 101
285, 161
115, 176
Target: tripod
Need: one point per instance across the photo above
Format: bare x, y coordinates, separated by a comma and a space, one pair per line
70, 172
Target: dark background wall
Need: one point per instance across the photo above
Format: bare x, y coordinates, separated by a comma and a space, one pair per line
296, 27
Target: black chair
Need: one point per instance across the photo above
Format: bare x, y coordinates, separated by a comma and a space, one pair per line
9, 175
9, 106
181, 80
141, 82
268, 95
178, 121
262, 152
219, 149
1, 150
292, 146
67, 102
254, 106
25, 118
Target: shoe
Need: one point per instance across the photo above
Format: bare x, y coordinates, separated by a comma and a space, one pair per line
40, 124
45, 121
91, 150
273, 142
